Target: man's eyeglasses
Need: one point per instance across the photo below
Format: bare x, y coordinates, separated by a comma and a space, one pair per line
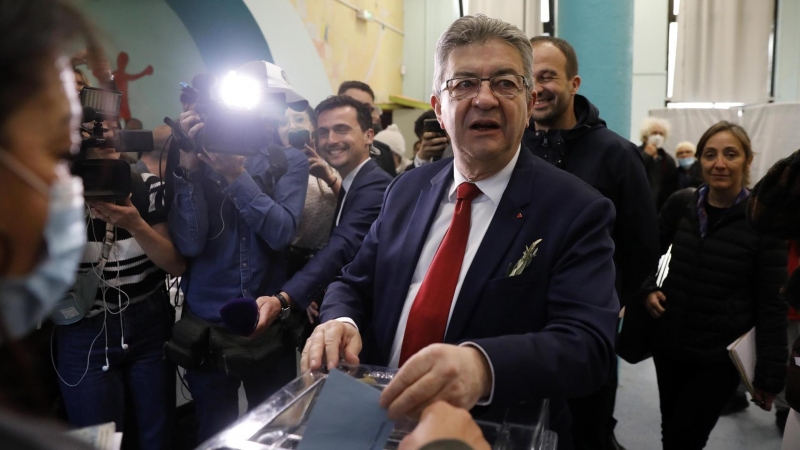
508, 86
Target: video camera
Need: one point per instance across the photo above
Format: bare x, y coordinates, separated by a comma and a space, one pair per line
107, 180
100, 105
237, 122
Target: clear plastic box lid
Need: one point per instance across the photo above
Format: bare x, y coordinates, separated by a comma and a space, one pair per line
279, 422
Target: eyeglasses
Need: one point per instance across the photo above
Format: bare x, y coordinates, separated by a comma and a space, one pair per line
508, 86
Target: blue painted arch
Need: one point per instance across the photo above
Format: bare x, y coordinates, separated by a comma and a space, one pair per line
225, 32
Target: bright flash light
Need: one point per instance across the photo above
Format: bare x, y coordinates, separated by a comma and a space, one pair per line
239, 91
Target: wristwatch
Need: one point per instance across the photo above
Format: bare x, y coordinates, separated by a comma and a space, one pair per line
285, 308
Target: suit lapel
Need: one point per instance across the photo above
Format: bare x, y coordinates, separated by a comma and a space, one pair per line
411, 247
496, 244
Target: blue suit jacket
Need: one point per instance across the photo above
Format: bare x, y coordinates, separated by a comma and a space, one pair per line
548, 332
361, 208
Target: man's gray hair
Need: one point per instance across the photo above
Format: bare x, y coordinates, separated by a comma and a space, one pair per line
479, 29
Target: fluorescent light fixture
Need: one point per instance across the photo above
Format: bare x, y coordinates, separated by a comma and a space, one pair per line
672, 57
239, 91
676, 7
703, 105
544, 11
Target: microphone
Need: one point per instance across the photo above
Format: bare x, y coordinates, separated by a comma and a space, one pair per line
240, 316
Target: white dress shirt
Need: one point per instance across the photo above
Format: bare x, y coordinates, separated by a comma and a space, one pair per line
346, 183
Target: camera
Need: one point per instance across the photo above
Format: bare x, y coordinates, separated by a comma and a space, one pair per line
237, 113
106, 180
299, 139
432, 126
100, 105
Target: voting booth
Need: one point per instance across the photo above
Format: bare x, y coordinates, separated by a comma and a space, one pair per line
340, 409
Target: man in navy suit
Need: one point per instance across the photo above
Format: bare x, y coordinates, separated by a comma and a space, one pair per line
488, 278
344, 136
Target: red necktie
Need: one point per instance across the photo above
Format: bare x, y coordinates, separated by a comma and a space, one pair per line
427, 320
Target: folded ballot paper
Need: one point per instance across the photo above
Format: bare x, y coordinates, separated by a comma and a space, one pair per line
347, 416
100, 437
743, 353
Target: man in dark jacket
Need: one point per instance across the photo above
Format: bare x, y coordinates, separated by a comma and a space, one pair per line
566, 130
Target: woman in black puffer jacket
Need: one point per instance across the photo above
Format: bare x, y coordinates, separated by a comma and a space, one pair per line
724, 278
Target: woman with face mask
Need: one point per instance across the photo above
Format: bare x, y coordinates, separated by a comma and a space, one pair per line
724, 279
42, 234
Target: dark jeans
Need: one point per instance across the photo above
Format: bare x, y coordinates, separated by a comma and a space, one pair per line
692, 397
216, 395
139, 373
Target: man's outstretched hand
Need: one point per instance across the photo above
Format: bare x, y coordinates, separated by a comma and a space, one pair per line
329, 342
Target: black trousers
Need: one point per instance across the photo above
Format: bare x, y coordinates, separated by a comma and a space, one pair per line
692, 397
593, 416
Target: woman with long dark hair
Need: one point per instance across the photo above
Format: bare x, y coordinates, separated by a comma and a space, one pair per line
723, 280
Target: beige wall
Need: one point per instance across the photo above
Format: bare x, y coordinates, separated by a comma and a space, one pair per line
352, 49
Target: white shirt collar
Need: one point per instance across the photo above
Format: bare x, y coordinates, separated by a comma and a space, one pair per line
348, 180
492, 187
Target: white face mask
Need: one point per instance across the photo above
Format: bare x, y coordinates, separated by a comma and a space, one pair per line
656, 139
25, 301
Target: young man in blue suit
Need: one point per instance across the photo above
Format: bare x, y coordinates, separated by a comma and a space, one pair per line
344, 136
487, 278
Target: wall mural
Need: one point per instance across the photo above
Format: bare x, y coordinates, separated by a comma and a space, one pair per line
122, 78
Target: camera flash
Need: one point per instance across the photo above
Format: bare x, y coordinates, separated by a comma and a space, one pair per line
239, 91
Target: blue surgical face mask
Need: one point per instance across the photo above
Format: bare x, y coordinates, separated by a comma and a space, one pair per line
26, 300
685, 163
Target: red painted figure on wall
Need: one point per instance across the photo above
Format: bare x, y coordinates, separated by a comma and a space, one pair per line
121, 78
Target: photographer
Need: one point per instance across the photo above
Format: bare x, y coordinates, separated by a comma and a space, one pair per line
122, 337
233, 218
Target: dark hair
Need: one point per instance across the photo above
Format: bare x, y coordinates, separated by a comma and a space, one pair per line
355, 85
312, 116
419, 124
566, 49
363, 113
739, 133
35, 33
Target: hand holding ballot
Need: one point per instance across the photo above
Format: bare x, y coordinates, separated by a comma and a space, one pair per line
459, 375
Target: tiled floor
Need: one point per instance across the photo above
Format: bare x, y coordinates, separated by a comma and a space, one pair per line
639, 426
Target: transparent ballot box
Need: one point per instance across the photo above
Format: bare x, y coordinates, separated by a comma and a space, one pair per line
280, 422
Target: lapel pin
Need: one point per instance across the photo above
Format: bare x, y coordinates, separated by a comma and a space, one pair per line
519, 215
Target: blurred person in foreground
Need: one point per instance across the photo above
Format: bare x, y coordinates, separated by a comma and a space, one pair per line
774, 208
41, 204
477, 255
723, 280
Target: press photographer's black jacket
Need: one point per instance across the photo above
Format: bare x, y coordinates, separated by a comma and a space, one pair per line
720, 286
612, 165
